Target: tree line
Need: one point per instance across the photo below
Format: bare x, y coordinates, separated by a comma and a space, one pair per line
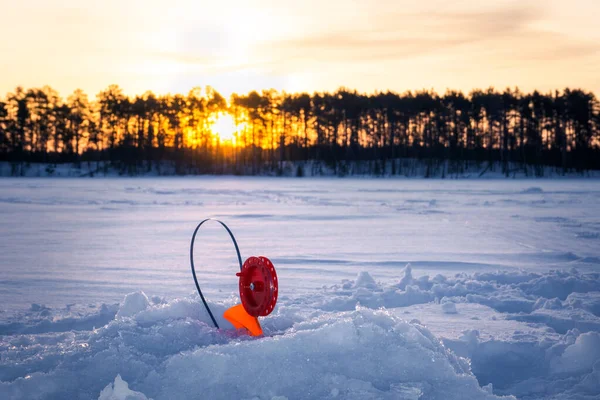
509, 129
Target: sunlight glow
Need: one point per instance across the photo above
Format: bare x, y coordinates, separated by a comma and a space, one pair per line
225, 128
237, 46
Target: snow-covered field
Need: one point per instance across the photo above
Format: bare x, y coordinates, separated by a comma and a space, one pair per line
400, 289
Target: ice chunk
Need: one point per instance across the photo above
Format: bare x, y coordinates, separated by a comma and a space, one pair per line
549, 304
449, 307
37, 307
407, 278
580, 356
561, 284
133, 304
119, 390
364, 280
587, 301
359, 354
591, 383
532, 190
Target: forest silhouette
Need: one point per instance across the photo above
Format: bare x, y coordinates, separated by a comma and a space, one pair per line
508, 129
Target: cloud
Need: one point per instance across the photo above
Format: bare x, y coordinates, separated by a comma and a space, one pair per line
399, 35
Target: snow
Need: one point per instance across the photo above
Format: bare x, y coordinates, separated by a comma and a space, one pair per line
579, 356
364, 280
133, 304
119, 390
449, 307
388, 289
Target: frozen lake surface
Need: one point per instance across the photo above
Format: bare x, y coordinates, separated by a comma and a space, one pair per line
502, 287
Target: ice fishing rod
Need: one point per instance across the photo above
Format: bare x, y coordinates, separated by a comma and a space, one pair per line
258, 288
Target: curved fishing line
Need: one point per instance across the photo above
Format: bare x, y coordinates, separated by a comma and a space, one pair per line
237, 250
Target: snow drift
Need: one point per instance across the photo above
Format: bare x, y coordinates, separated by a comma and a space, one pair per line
357, 340
357, 354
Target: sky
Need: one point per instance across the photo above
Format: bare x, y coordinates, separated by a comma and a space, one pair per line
309, 45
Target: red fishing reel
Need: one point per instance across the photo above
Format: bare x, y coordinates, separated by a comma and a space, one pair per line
258, 289
258, 292
258, 286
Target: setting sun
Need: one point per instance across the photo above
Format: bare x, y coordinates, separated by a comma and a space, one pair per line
225, 128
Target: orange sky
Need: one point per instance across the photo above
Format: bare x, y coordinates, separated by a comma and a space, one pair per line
309, 45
